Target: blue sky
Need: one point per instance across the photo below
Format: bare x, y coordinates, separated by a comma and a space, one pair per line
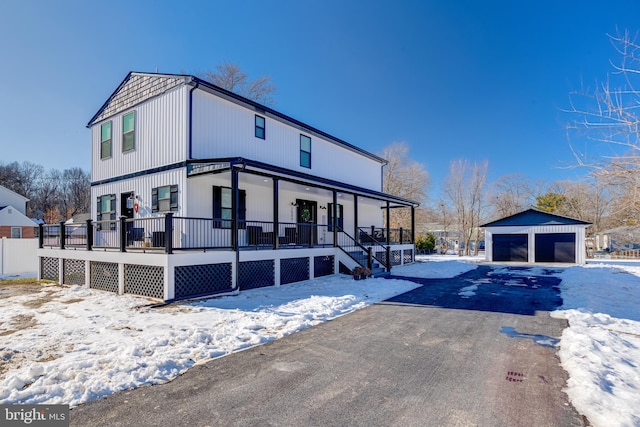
481, 80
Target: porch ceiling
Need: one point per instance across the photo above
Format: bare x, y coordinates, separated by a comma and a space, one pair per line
262, 174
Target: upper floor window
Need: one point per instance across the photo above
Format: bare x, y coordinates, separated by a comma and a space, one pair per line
129, 131
164, 199
105, 140
260, 127
305, 151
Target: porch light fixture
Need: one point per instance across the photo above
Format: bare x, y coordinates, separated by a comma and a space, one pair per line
294, 204
131, 201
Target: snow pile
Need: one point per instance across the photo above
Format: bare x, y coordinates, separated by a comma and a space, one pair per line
72, 345
601, 348
436, 267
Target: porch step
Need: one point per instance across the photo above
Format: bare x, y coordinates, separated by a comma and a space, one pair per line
362, 259
381, 273
377, 271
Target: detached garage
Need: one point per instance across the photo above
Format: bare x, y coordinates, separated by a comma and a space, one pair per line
536, 236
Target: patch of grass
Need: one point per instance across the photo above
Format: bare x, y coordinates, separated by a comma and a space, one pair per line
26, 281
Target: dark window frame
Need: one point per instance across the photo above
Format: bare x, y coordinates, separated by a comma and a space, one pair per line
305, 153
260, 131
106, 141
218, 208
340, 216
173, 198
126, 133
111, 213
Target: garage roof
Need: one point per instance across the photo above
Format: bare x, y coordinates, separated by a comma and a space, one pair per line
535, 217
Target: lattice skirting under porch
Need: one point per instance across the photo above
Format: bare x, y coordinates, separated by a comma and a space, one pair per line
323, 265
73, 271
202, 279
144, 280
294, 270
49, 269
407, 256
104, 276
256, 274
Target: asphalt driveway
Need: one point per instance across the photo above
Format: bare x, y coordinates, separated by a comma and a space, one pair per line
475, 350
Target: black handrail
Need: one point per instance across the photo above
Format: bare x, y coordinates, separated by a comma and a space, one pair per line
371, 254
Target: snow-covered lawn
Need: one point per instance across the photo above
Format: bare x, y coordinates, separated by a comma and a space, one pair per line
72, 345
601, 348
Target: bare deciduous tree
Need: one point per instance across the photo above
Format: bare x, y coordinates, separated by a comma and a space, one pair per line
587, 201
464, 187
75, 192
511, 194
58, 195
609, 117
231, 77
405, 178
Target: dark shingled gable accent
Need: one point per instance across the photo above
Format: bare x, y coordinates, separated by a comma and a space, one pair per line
535, 217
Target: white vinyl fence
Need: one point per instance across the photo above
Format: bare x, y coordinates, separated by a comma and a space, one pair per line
18, 256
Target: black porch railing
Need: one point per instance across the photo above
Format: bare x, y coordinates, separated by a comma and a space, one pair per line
168, 233
363, 254
285, 235
397, 236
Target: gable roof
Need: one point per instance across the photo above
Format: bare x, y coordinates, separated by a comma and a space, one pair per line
10, 216
12, 193
535, 217
138, 87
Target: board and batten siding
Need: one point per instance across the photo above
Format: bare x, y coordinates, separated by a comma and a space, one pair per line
142, 187
531, 231
222, 129
161, 126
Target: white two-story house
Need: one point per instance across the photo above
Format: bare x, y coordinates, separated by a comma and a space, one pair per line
203, 191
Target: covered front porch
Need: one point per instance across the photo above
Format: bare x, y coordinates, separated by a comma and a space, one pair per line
242, 220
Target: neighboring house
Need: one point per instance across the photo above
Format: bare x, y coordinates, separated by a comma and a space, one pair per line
8, 197
78, 218
14, 223
447, 237
536, 236
203, 190
626, 238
